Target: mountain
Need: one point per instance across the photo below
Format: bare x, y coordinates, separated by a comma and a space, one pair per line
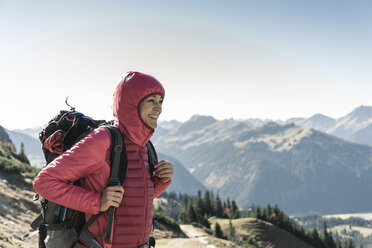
32, 147
318, 122
182, 181
300, 169
169, 124
33, 132
356, 126
195, 123
255, 122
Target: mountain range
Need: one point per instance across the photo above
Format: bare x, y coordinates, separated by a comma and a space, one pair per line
300, 169
303, 164
355, 126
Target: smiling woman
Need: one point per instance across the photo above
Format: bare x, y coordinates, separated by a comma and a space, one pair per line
137, 105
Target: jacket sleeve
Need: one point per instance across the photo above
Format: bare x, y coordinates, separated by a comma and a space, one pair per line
160, 187
85, 158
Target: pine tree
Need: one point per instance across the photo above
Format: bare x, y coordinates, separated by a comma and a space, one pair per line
208, 204
287, 224
258, 213
252, 211
338, 242
218, 231
330, 242
269, 211
22, 155
191, 215
234, 210
183, 215
327, 237
231, 235
199, 206
218, 207
278, 216
316, 241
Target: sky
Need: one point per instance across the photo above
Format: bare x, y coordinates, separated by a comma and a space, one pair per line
271, 59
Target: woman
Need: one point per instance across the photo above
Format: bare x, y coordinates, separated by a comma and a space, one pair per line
137, 105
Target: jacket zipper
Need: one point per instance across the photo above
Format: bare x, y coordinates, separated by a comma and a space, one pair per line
146, 192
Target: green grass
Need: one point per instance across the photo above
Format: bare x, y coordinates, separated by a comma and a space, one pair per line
10, 164
167, 221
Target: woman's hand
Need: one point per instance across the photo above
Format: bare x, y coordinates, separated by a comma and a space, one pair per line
111, 196
164, 171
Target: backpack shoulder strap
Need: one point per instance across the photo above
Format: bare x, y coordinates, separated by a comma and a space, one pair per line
119, 159
118, 172
119, 166
153, 157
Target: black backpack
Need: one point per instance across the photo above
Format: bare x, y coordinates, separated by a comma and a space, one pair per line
59, 226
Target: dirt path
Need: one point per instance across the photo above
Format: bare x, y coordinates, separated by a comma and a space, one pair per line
196, 238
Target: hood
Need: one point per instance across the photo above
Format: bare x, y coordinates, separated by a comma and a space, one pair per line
127, 97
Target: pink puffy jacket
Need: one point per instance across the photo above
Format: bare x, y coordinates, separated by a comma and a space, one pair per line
89, 159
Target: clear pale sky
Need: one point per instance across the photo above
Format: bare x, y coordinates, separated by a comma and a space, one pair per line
242, 59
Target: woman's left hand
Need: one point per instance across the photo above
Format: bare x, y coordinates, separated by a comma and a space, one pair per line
164, 171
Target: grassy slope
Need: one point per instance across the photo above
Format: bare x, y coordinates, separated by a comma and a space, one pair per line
17, 210
266, 234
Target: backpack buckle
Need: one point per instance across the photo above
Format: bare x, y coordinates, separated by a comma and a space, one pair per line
118, 148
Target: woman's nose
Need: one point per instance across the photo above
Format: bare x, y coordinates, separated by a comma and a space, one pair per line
157, 106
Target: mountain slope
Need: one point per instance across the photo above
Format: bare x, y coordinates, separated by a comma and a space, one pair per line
266, 234
356, 126
182, 180
299, 169
17, 210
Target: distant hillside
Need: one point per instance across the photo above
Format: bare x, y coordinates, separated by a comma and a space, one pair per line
183, 181
347, 226
265, 233
300, 169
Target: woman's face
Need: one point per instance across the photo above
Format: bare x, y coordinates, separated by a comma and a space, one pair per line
150, 109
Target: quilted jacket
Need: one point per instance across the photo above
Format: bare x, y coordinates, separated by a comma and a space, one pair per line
89, 160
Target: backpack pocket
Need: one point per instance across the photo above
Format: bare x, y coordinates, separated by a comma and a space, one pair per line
61, 238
